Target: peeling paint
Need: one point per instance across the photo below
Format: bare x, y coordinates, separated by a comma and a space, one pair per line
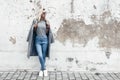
31, 1
12, 39
94, 7
105, 27
76, 31
97, 74
108, 54
93, 69
72, 6
70, 59
77, 61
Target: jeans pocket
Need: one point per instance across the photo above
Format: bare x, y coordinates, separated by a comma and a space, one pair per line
45, 40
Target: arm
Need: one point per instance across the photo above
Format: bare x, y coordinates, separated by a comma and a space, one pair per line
35, 27
47, 27
29, 33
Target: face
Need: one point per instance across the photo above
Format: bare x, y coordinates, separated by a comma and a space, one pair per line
43, 15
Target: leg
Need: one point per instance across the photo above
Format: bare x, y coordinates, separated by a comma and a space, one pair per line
44, 48
40, 55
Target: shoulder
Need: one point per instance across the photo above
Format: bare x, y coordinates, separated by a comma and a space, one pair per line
47, 22
34, 21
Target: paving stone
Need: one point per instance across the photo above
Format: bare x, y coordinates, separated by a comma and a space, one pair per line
96, 77
52, 75
102, 77
90, 76
77, 76
4, 75
10, 75
34, 77
16, 75
40, 78
83, 76
114, 76
65, 75
117, 74
56, 75
46, 78
71, 76
28, 75
108, 76
22, 75
1, 74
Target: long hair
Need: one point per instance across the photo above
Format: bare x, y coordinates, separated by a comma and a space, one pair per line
39, 17
40, 13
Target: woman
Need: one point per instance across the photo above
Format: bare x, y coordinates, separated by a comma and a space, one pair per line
40, 37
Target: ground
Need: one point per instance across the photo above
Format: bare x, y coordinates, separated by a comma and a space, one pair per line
58, 75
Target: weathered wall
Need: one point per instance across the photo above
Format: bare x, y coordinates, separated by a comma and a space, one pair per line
86, 34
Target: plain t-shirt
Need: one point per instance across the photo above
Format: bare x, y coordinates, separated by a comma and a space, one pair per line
41, 29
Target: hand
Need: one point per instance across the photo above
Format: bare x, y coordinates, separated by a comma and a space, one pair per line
35, 25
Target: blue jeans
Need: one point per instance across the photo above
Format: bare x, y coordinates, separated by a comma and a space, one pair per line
41, 47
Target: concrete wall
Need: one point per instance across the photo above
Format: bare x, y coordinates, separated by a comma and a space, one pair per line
86, 34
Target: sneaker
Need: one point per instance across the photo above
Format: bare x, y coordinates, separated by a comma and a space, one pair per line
45, 73
41, 73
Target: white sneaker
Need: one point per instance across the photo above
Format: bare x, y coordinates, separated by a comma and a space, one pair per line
45, 73
41, 73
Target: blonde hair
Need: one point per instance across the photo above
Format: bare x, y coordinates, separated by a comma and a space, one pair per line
40, 12
39, 16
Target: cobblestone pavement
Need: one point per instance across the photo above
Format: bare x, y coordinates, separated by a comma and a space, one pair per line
58, 75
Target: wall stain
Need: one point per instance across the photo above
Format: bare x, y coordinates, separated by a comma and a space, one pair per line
108, 54
72, 6
93, 69
76, 31
94, 7
31, 1
12, 39
69, 59
105, 27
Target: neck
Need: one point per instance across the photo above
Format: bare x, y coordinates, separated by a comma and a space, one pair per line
42, 19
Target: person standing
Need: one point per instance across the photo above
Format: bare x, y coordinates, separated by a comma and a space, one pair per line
41, 39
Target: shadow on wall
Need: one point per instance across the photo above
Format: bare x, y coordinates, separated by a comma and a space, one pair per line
105, 27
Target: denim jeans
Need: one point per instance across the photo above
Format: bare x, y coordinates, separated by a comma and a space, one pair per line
41, 47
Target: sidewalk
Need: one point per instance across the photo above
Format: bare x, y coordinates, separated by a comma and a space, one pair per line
57, 75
